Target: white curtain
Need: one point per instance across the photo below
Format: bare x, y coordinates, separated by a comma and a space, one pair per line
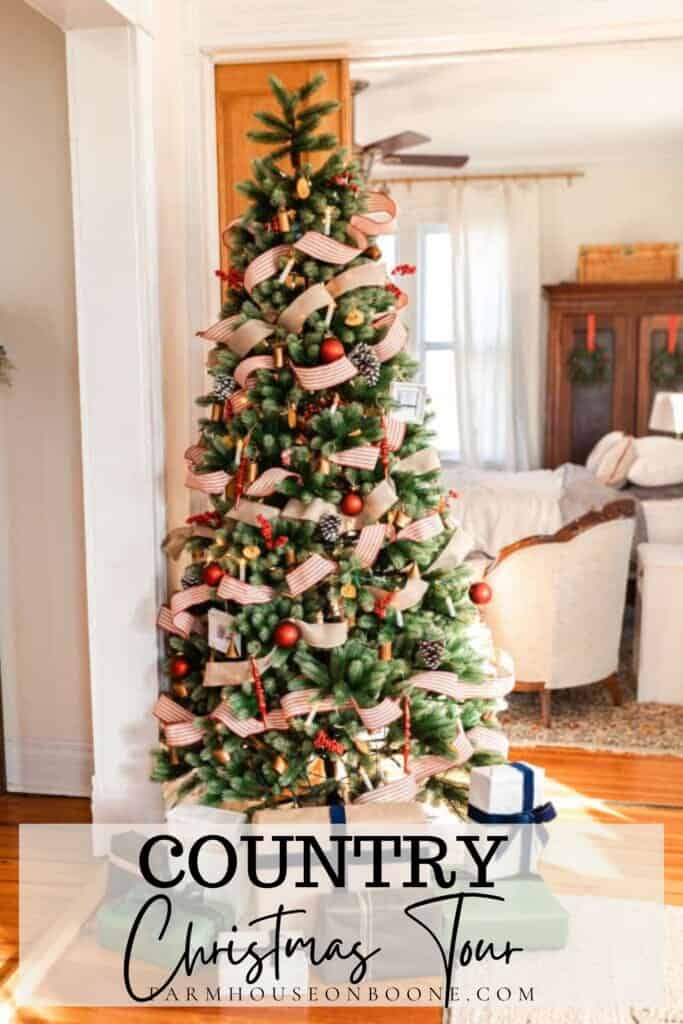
498, 354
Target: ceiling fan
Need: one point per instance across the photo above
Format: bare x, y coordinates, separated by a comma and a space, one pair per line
387, 150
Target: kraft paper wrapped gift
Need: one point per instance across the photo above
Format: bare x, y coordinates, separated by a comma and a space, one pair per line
531, 916
384, 819
511, 796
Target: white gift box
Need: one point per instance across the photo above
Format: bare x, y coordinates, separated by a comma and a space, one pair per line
293, 970
192, 821
500, 790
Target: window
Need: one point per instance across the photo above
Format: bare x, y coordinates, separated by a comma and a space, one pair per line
435, 334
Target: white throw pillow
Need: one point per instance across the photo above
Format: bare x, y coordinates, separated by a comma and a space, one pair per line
659, 462
613, 468
601, 448
495, 518
664, 520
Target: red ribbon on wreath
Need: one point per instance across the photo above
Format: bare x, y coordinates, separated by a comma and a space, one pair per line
672, 338
590, 333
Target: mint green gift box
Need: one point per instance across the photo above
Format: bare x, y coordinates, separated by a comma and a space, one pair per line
114, 921
531, 916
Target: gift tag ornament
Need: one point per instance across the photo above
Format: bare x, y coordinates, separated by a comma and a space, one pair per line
286, 634
331, 350
480, 593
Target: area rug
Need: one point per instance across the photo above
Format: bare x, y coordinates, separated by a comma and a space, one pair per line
670, 1013
585, 716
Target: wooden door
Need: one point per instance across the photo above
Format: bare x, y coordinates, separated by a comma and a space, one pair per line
653, 334
586, 412
242, 89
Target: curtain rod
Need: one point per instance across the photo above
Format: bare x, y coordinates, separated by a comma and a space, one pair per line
568, 176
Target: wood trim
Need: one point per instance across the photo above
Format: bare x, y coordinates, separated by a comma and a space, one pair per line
615, 298
623, 508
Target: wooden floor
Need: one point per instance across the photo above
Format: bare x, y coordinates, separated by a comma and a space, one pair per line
624, 788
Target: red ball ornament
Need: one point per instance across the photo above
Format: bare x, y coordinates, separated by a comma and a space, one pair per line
180, 667
331, 350
352, 504
480, 593
287, 634
213, 574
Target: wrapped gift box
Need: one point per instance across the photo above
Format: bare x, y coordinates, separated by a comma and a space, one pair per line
115, 918
511, 795
531, 917
384, 819
293, 970
376, 919
192, 821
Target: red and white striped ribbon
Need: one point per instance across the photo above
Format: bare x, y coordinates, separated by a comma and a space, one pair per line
450, 685
264, 266
331, 375
370, 544
221, 331
493, 741
445, 683
302, 702
230, 589
408, 786
177, 723
207, 483
310, 572
181, 624
393, 341
322, 247
244, 373
379, 716
244, 727
377, 202
362, 457
422, 529
395, 431
266, 484
184, 599
195, 455
368, 275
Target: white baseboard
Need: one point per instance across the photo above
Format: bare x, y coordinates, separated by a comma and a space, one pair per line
52, 769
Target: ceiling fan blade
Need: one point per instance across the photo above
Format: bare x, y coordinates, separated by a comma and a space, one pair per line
393, 142
428, 160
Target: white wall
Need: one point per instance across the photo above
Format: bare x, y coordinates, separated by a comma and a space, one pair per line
614, 203
44, 650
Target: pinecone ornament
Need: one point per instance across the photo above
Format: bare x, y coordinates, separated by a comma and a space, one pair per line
366, 362
224, 386
330, 527
193, 575
431, 652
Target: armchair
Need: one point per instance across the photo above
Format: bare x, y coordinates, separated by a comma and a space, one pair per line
558, 603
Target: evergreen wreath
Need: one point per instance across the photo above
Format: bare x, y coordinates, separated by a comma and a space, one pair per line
588, 367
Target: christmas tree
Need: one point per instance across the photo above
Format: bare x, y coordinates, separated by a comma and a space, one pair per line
326, 644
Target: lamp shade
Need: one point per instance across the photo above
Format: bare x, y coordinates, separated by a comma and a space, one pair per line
667, 412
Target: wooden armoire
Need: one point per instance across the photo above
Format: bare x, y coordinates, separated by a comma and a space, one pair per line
632, 322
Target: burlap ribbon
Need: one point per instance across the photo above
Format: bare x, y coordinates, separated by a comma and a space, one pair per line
425, 461
249, 511
405, 598
297, 312
234, 673
174, 542
455, 552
